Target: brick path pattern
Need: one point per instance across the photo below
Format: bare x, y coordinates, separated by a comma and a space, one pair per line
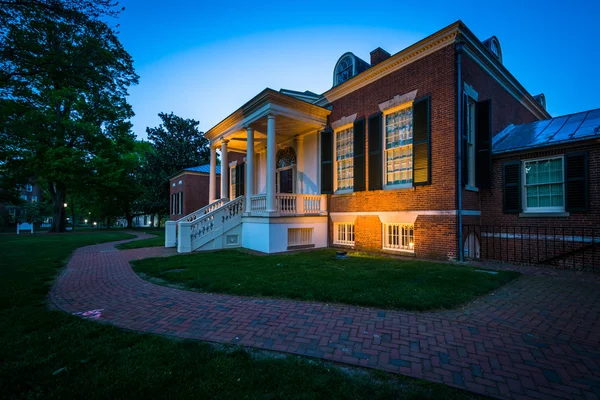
537, 337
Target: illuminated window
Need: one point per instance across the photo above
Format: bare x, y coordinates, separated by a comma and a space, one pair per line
24, 197
344, 158
34, 199
29, 188
343, 233
398, 237
398, 147
344, 70
544, 185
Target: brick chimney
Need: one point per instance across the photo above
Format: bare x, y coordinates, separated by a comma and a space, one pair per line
378, 55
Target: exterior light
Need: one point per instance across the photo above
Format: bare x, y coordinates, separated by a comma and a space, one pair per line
95, 223
411, 245
65, 205
85, 221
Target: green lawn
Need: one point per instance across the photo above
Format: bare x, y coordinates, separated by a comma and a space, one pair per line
51, 354
158, 240
364, 280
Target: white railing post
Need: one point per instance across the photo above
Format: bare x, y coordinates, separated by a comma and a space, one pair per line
170, 234
184, 244
300, 204
323, 204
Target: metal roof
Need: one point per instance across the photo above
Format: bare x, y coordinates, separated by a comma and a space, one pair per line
203, 168
565, 129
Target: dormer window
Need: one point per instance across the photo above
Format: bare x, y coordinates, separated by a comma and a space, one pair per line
344, 70
494, 48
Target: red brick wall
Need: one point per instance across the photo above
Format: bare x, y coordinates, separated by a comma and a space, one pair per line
506, 110
195, 188
433, 75
491, 199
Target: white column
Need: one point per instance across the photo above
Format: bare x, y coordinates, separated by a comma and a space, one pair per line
212, 180
224, 171
271, 149
249, 167
299, 164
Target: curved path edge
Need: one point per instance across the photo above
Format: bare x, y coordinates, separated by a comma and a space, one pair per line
538, 337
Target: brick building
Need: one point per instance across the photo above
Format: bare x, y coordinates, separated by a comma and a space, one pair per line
404, 154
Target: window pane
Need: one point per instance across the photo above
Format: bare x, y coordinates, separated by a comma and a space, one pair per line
344, 158
398, 145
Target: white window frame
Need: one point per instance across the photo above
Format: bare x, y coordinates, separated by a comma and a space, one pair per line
348, 237
34, 199
29, 188
335, 161
385, 149
24, 197
180, 202
232, 194
401, 247
471, 126
524, 186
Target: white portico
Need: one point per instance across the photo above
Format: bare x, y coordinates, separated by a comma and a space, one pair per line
275, 190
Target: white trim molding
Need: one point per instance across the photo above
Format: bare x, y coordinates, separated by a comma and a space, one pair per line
391, 214
343, 122
343, 218
398, 100
469, 91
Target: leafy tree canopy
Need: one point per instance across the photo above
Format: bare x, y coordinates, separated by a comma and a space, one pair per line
177, 144
64, 117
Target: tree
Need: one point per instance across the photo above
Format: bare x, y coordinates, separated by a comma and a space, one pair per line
63, 111
177, 144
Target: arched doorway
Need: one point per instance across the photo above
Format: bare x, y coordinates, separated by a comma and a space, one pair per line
286, 171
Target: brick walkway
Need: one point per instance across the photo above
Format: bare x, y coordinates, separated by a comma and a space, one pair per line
538, 337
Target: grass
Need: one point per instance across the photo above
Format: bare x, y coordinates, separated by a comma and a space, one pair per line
50, 354
363, 280
157, 241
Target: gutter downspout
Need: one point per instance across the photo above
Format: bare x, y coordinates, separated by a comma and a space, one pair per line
459, 155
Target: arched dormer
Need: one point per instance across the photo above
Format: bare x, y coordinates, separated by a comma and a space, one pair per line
347, 66
493, 45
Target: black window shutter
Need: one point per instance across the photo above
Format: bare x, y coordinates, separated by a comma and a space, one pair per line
511, 187
375, 152
576, 182
327, 161
483, 144
181, 203
239, 179
359, 156
464, 144
422, 142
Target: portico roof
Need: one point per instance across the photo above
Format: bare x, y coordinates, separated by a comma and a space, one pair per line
293, 116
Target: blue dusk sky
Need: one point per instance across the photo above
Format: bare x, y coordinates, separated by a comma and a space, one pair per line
204, 59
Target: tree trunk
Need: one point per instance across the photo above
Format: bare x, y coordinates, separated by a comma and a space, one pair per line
151, 220
58, 209
129, 220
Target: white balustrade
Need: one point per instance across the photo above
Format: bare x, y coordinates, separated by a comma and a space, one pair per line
194, 234
290, 204
258, 204
172, 227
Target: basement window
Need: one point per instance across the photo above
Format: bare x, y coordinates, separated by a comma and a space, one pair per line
343, 233
300, 236
398, 237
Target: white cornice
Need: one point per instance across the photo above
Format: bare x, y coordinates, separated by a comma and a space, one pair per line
445, 37
399, 60
268, 102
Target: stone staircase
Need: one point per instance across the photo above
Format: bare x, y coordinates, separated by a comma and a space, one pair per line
215, 226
